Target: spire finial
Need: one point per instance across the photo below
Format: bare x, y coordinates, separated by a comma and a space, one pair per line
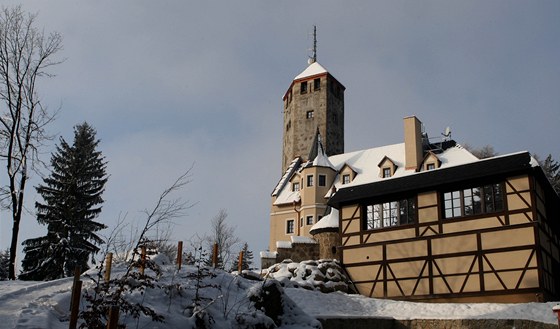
313, 57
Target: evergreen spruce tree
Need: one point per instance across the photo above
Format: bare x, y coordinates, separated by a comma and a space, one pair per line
72, 200
551, 169
247, 259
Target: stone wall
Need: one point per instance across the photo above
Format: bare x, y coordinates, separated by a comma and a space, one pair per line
328, 242
298, 252
389, 323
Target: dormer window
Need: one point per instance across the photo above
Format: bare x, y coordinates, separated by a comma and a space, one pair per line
387, 167
295, 186
430, 162
386, 172
345, 179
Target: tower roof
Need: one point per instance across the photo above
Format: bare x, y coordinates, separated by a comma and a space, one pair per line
317, 153
311, 70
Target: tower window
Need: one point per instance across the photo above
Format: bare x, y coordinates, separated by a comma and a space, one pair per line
317, 84
309, 114
322, 180
303, 87
309, 180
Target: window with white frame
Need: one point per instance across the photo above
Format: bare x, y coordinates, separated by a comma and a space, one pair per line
386, 172
309, 220
473, 201
345, 179
295, 186
290, 226
389, 214
309, 180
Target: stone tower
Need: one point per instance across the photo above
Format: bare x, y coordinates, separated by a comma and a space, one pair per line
314, 101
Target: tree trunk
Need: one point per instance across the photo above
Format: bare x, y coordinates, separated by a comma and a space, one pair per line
13, 248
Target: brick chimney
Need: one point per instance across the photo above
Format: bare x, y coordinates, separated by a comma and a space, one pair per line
413, 143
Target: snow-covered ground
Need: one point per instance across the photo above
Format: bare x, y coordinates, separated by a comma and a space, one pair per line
27, 305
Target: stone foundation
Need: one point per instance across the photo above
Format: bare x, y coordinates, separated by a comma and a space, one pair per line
389, 323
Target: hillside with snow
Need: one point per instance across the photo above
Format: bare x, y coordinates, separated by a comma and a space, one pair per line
196, 296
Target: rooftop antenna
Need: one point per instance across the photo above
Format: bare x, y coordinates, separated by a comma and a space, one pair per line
313, 58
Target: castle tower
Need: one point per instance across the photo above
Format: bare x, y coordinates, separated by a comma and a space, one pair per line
314, 101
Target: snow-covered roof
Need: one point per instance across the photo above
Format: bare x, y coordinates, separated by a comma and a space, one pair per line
287, 175
268, 254
303, 239
364, 163
328, 221
313, 69
322, 160
283, 244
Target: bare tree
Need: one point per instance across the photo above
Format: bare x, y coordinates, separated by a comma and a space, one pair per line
101, 296
483, 152
224, 235
25, 56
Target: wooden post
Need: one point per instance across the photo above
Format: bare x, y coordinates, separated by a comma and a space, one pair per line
215, 255
75, 304
113, 318
240, 262
77, 272
179, 255
108, 264
143, 260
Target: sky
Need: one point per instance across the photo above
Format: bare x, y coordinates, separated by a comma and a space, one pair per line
178, 84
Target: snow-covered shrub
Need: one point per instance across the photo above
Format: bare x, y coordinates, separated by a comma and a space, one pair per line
325, 275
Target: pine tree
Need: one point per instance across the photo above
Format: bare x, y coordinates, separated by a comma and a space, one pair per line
72, 200
247, 259
551, 169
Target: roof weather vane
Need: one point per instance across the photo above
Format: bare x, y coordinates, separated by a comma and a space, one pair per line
313, 58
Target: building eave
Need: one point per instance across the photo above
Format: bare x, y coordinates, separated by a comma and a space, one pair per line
439, 178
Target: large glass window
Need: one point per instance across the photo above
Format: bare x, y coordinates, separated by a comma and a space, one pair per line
388, 214
473, 201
